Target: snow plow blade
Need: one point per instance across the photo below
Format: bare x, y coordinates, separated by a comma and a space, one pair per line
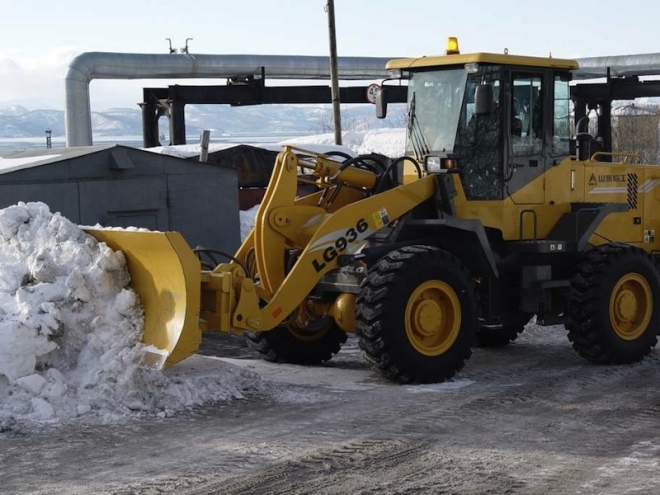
166, 275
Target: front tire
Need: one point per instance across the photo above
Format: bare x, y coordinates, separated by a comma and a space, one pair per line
615, 305
417, 315
313, 345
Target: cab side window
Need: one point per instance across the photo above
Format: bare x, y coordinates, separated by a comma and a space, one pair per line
527, 114
563, 108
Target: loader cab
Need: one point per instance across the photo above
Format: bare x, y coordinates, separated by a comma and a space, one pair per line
501, 142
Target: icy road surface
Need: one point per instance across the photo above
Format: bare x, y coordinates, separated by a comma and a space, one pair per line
531, 418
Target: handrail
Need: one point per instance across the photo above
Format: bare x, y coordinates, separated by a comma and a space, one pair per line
534, 220
625, 156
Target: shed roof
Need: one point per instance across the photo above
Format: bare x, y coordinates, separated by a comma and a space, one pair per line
12, 161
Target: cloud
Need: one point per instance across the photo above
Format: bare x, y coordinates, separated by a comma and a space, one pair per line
35, 81
8, 65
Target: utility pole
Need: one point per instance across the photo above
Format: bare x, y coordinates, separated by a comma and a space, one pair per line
334, 80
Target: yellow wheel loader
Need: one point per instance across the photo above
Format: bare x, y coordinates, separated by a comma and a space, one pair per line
500, 210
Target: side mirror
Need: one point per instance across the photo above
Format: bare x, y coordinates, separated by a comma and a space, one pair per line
483, 99
381, 103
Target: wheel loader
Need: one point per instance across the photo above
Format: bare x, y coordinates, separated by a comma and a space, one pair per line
501, 209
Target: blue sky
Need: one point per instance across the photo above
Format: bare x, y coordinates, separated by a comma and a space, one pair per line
39, 38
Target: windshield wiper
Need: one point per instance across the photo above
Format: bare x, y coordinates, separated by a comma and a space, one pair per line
415, 133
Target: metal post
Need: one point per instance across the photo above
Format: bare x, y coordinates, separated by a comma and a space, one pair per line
204, 139
330, 8
177, 123
605, 126
49, 142
149, 124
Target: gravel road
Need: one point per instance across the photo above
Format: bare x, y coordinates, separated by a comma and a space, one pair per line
530, 418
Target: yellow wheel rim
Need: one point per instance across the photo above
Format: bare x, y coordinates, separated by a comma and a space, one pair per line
311, 324
433, 318
631, 306
316, 331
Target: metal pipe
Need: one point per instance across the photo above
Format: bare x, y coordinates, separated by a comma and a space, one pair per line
103, 65
644, 64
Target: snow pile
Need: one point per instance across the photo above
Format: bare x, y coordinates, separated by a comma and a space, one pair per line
323, 143
247, 218
388, 142
70, 330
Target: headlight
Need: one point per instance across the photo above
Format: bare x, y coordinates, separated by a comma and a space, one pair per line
450, 164
432, 164
441, 165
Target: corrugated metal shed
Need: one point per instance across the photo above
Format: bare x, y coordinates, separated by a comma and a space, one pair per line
128, 187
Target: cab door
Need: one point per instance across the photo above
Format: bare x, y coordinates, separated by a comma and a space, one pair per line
525, 145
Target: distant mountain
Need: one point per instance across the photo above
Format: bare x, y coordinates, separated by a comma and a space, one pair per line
13, 111
19, 122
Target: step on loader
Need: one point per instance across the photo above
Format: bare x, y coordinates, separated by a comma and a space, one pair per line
504, 208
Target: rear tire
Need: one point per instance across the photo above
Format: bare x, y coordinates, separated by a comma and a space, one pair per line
615, 305
417, 315
308, 346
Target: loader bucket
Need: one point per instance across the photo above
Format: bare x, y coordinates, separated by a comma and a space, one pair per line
166, 275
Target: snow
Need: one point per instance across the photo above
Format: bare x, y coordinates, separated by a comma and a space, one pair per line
440, 387
9, 164
389, 142
70, 332
247, 219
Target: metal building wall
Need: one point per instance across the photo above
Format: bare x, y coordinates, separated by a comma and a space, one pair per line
118, 186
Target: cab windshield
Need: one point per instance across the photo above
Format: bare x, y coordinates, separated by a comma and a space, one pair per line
435, 99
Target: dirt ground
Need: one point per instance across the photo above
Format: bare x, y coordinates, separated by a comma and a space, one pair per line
530, 418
